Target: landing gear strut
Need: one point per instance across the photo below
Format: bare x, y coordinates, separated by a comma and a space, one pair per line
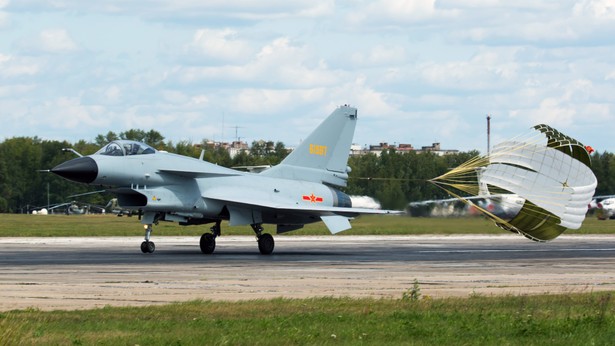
265, 240
148, 246
208, 240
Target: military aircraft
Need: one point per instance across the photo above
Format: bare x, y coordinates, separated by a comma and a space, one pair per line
162, 186
70, 208
604, 207
502, 205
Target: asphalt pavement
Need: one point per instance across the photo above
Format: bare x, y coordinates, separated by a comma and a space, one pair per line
79, 273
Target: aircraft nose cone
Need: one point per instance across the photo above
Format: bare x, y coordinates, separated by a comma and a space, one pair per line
81, 169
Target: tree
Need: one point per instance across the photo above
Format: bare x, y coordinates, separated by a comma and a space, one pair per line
393, 177
242, 159
603, 166
186, 148
151, 137
101, 140
279, 153
4, 204
155, 139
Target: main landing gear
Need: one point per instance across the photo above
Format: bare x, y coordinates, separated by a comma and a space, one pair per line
208, 240
265, 240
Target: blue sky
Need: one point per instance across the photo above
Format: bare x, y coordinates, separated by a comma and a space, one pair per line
418, 71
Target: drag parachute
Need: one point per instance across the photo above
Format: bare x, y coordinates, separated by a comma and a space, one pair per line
549, 172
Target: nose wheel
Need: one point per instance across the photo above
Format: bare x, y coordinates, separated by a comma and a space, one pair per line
148, 246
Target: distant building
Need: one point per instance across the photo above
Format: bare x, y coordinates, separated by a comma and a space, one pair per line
435, 148
233, 148
405, 148
356, 150
236, 147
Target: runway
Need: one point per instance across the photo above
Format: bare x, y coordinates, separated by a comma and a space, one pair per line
80, 273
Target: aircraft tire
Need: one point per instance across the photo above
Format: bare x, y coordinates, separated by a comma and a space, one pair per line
148, 247
266, 244
208, 243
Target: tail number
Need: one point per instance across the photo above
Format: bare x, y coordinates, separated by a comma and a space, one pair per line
318, 150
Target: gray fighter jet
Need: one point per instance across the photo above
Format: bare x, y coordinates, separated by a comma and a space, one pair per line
167, 187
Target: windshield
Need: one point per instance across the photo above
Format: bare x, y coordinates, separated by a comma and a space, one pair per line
125, 147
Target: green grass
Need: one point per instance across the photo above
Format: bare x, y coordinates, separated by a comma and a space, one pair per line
14, 225
573, 319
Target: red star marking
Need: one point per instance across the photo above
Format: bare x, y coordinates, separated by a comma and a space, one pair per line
312, 198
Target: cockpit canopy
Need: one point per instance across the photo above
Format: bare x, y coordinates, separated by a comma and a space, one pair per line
125, 148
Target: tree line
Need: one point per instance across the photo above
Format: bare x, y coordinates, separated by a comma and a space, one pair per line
393, 178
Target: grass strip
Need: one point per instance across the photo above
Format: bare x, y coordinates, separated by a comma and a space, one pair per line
569, 319
16, 225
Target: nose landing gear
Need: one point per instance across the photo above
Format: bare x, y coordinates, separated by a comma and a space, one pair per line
148, 246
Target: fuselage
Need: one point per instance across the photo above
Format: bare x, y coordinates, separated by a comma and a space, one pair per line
157, 181
605, 208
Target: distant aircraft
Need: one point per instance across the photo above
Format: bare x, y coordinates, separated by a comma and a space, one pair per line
503, 205
604, 207
169, 187
115, 208
70, 208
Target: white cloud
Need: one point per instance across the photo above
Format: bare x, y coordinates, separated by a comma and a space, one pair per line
199, 100
553, 111
56, 41
4, 58
486, 70
391, 12
418, 71
50, 41
380, 55
221, 45
11, 67
532, 22
601, 9
278, 63
4, 19
15, 90
565, 105
113, 94
180, 10
360, 93
67, 113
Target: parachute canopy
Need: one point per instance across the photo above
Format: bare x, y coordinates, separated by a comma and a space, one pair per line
548, 171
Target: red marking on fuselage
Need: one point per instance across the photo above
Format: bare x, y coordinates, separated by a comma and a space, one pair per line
313, 198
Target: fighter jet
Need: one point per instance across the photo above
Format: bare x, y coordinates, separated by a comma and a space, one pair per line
503, 205
161, 186
604, 207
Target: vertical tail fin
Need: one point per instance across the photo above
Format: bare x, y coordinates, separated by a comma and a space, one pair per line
483, 189
323, 155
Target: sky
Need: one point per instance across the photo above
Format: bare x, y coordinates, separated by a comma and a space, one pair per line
419, 71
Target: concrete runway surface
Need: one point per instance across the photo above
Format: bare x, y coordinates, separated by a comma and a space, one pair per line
80, 273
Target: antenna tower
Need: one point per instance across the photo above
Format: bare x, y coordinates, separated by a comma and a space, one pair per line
488, 134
